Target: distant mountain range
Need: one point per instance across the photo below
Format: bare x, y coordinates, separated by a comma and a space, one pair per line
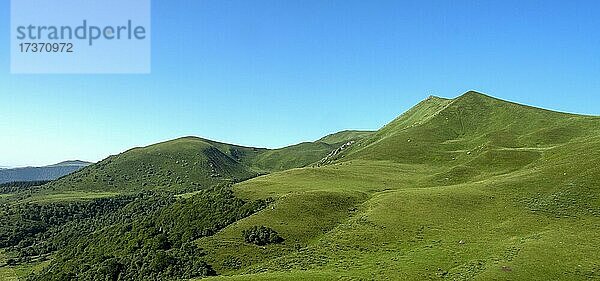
50, 172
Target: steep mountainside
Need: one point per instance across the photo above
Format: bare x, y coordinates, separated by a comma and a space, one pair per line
471, 188
442, 130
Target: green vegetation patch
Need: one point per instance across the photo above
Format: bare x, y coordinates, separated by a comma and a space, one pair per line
261, 235
148, 239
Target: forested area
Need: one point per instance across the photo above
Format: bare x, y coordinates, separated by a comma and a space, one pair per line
145, 236
12, 187
30, 230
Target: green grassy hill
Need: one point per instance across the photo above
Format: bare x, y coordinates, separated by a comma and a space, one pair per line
438, 128
471, 188
345, 136
182, 164
302, 154
191, 163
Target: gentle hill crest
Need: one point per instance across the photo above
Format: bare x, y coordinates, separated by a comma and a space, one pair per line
191, 163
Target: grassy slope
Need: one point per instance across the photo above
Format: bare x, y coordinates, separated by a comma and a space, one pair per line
344, 136
294, 156
484, 189
305, 153
191, 163
178, 164
184, 164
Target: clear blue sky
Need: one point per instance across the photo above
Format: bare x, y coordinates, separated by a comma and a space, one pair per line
274, 73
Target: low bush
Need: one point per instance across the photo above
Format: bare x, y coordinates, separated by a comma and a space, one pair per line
261, 235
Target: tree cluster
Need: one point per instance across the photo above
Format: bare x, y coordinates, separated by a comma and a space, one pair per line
17, 186
149, 238
261, 235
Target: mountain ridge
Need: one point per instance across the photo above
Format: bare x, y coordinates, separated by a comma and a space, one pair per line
435, 119
42, 173
471, 117
190, 163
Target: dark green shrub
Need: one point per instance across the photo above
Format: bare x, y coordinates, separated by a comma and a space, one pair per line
261, 235
232, 262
